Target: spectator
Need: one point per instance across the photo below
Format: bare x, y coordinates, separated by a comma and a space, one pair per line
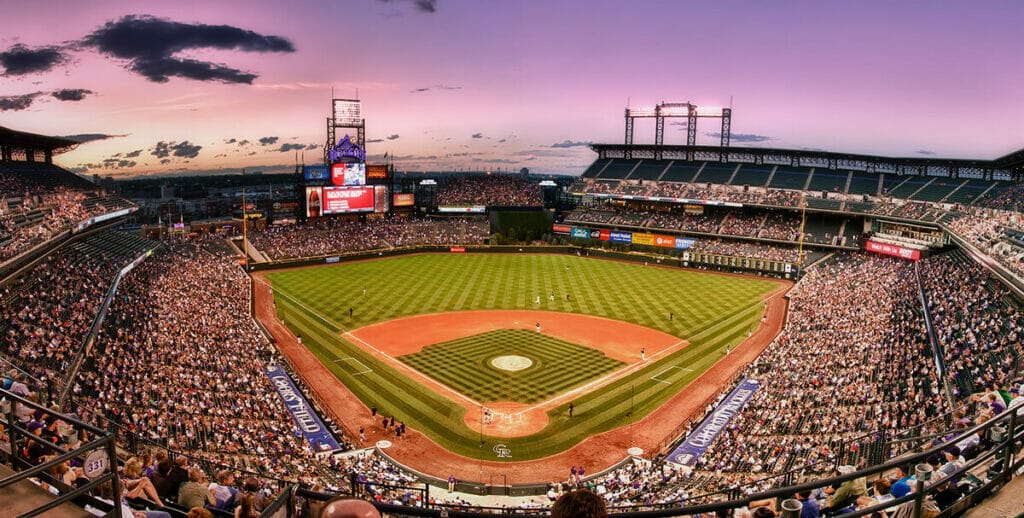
223, 491
195, 493
579, 503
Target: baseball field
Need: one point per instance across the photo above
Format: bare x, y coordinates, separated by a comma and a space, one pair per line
479, 349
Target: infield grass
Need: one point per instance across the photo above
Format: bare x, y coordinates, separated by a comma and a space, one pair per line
711, 311
466, 365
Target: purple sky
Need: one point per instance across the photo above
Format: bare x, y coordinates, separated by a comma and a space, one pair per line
473, 84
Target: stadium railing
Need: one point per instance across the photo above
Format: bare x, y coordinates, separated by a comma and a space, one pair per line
978, 478
98, 456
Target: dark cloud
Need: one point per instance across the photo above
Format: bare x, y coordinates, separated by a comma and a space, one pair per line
502, 141
161, 150
133, 154
243, 143
89, 137
312, 146
569, 143
268, 141
374, 141
184, 149
110, 163
291, 147
17, 103
20, 60
424, 6
741, 137
71, 94
478, 135
393, 137
165, 161
924, 152
230, 141
435, 87
149, 45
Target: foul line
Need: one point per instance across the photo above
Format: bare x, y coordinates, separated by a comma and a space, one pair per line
353, 358
607, 378
299, 303
410, 371
655, 377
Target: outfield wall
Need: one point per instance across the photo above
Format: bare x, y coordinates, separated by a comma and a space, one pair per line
715, 262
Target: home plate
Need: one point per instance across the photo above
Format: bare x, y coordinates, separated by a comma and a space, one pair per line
635, 451
383, 444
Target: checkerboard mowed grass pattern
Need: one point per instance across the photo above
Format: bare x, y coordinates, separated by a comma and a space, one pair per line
465, 365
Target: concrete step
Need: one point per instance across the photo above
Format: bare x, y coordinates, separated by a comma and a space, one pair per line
1007, 503
25, 496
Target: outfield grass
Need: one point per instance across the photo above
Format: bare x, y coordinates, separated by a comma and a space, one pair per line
711, 311
466, 365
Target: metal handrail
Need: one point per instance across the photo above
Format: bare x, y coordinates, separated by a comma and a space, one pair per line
18, 434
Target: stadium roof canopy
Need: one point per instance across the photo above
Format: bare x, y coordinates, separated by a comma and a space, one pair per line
9, 137
1005, 167
1014, 160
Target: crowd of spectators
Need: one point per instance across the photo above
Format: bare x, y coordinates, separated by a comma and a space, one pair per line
1009, 198
780, 226
999, 234
747, 249
700, 191
851, 319
761, 225
179, 363
706, 223
978, 332
48, 311
743, 225
31, 214
827, 394
340, 237
489, 190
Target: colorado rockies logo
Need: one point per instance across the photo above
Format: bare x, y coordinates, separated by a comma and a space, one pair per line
502, 451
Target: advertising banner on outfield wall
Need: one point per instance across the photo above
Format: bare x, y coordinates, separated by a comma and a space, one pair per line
685, 242
643, 239
559, 228
306, 420
698, 441
666, 241
580, 233
618, 236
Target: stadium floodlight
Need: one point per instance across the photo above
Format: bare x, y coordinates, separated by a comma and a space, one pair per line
709, 111
641, 112
428, 181
675, 109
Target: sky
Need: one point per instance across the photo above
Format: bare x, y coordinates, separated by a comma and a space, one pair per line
178, 87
